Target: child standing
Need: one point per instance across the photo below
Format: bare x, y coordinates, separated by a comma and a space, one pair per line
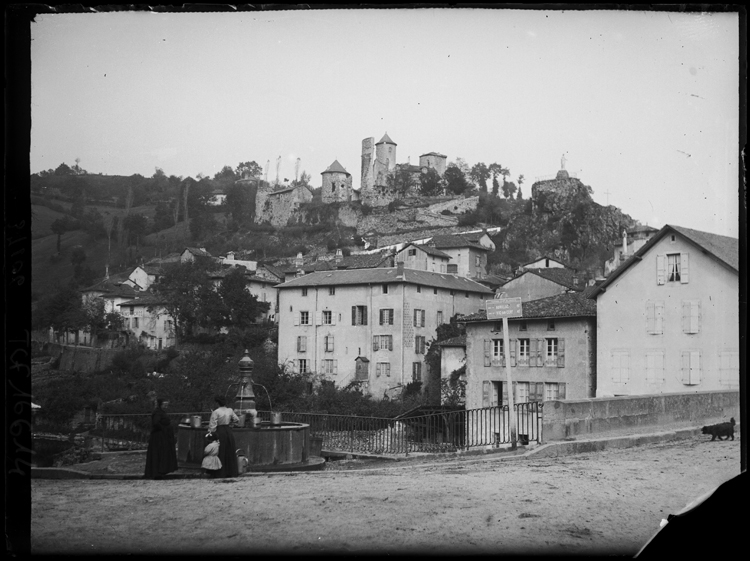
211, 462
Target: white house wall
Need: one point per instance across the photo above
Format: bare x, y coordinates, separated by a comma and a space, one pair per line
622, 326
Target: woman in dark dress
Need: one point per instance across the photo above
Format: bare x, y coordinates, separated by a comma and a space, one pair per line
161, 457
221, 418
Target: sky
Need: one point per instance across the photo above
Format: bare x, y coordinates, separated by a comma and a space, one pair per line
644, 105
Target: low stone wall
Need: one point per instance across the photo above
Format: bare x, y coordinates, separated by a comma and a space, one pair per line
590, 416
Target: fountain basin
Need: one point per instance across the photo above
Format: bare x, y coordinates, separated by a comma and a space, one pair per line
267, 448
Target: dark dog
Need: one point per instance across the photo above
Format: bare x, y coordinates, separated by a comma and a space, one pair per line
721, 429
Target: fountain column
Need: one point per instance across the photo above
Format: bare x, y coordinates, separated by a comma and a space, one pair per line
245, 399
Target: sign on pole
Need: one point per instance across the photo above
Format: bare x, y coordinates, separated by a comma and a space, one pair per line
504, 308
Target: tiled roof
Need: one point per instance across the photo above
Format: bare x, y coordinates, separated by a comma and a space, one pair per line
559, 275
454, 342
544, 257
291, 267
722, 248
431, 251
275, 271
434, 154
387, 139
112, 289
558, 306
336, 167
459, 240
386, 275
147, 299
152, 270
362, 261
198, 252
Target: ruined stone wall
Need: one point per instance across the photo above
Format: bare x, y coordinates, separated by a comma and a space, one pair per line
456, 206
342, 192
367, 179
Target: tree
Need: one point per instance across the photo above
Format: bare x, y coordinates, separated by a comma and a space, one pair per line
455, 180
508, 189
63, 169
163, 216
480, 173
136, 225
430, 184
59, 227
240, 308
226, 173
495, 187
246, 170
238, 201
402, 180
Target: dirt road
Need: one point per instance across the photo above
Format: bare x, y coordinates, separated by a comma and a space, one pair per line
607, 502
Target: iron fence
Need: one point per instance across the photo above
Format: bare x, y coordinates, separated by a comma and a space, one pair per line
448, 431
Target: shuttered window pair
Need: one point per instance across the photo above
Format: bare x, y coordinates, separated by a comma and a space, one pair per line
416, 372
691, 367
420, 344
383, 369
382, 342
359, 315
329, 366
301, 344
672, 267
419, 318
620, 366
386, 316
691, 316
526, 352
328, 343
655, 366
655, 317
495, 394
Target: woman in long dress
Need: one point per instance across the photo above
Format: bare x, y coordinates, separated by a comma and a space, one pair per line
161, 457
219, 423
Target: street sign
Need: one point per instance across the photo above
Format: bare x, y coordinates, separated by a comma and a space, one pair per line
504, 308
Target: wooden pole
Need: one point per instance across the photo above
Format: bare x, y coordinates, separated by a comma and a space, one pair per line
509, 381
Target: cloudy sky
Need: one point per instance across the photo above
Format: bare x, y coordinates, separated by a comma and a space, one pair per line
644, 105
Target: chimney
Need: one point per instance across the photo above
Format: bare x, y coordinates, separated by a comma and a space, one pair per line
400, 270
339, 255
624, 241
298, 262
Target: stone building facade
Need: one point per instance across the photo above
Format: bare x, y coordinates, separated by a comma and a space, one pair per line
337, 184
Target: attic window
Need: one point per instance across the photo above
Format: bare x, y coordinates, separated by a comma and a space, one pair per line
673, 238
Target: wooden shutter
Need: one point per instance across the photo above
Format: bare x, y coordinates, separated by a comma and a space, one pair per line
683, 268
536, 391
364, 315
532, 352
487, 352
541, 352
659, 317
625, 367
416, 318
390, 342
375, 342
318, 318
505, 394
661, 269
391, 315
354, 315
695, 316
513, 347
333, 318
381, 316
560, 353
685, 366
695, 367
423, 318
650, 317
296, 318
388, 369
335, 366
503, 354
561, 391
486, 386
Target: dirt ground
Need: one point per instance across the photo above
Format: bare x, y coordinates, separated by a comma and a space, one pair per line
608, 502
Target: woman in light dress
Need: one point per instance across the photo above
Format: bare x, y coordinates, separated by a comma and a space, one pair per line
219, 423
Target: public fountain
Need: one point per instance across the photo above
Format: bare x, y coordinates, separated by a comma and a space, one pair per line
268, 445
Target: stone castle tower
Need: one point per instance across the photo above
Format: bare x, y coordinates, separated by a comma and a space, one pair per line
337, 184
378, 161
434, 160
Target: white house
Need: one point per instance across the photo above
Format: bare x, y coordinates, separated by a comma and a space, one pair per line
668, 318
369, 326
154, 329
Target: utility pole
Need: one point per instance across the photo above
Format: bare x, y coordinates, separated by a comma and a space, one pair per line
278, 163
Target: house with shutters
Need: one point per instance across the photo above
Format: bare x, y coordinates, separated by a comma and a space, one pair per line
148, 321
668, 318
424, 258
369, 326
552, 353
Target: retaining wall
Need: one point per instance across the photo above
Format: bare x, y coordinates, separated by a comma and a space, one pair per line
591, 416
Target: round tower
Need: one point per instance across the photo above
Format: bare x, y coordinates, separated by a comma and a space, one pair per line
337, 184
385, 155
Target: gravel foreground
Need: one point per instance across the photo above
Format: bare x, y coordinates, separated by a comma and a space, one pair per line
608, 502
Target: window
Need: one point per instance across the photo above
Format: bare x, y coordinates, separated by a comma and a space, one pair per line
416, 372
498, 350
477, 261
434, 290
655, 367
551, 350
302, 366
383, 369
385, 289
386, 316
691, 316
522, 326
301, 344
440, 318
419, 289
672, 267
498, 326
419, 318
135, 322
523, 352
382, 342
420, 344
691, 367
551, 325
167, 325
327, 317
304, 292
411, 252
522, 392
132, 310
553, 391
304, 318
328, 343
729, 368
359, 315
452, 268
620, 367
466, 294
329, 366
492, 393
654, 317
332, 290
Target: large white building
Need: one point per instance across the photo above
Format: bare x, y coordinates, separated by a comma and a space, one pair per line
369, 326
668, 318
